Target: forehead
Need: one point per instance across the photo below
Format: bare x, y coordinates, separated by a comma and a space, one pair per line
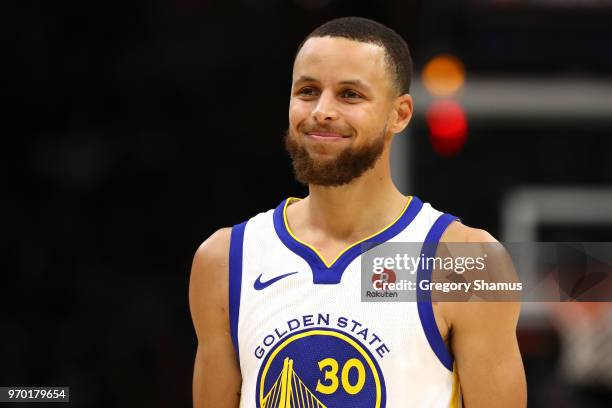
336, 59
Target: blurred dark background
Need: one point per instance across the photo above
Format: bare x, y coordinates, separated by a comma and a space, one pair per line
142, 127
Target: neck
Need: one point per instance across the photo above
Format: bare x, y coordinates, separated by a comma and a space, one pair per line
357, 209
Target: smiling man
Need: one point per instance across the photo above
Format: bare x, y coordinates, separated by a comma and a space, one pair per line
286, 326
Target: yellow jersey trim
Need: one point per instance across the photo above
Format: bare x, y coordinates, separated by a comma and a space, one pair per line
455, 393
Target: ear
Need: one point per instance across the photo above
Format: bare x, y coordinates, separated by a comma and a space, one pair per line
402, 113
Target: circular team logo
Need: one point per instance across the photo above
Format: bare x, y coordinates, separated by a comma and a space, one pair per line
320, 367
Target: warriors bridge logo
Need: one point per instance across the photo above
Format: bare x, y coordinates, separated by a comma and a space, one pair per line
322, 367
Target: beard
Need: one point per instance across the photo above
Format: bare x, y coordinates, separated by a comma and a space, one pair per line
348, 165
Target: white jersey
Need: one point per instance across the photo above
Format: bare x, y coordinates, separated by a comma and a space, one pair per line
303, 336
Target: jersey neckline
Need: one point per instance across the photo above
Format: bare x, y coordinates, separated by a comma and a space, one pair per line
330, 273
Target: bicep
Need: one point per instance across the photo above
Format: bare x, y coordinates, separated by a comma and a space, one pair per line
216, 377
488, 359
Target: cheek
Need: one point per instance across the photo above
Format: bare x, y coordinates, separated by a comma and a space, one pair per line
364, 120
298, 112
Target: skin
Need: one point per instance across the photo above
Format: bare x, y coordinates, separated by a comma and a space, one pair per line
216, 375
344, 87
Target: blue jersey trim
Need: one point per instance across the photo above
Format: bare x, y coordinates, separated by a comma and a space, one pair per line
322, 274
424, 305
235, 281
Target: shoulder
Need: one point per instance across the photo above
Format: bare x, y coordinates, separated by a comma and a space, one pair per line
211, 259
498, 260
458, 232
499, 267
213, 252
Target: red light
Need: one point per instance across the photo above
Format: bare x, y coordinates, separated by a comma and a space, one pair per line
447, 127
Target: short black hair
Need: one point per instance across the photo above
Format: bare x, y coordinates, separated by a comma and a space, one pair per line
397, 53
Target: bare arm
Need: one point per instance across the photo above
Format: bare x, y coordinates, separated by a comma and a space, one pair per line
484, 344
216, 374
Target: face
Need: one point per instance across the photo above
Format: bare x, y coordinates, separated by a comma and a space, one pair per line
342, 101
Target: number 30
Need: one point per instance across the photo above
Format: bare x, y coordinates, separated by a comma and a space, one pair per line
332, 375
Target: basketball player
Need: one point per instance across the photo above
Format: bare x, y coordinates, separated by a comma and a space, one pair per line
276, 300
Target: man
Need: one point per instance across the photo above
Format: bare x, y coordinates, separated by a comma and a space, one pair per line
288, 327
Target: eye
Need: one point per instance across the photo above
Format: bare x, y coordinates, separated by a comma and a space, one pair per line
350, 94
307, 91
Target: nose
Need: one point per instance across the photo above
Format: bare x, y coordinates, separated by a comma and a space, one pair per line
325, 110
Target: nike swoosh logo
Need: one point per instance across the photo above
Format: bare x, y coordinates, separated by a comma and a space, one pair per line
259, 285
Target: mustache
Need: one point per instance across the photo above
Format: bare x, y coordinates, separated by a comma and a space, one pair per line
307, 128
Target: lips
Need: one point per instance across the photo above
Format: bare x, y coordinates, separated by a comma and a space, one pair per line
326, 136
329, 137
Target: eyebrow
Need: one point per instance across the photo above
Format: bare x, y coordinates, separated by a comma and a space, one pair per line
356, 82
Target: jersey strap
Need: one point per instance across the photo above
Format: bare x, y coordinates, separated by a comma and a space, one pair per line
424, 305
